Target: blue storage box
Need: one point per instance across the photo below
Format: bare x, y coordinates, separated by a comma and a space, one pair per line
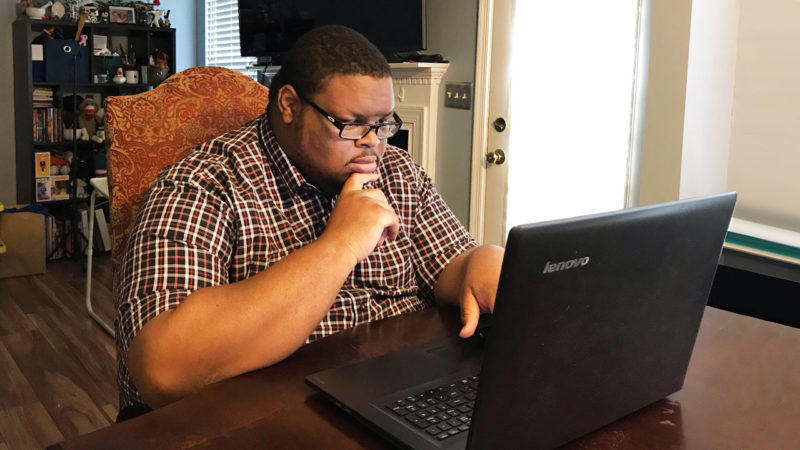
59, 55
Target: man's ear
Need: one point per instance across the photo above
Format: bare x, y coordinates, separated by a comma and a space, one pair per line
288, 103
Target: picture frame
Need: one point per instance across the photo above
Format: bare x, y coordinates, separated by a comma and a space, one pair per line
43, 189
121, 14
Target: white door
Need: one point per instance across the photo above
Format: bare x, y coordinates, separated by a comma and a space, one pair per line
555, 95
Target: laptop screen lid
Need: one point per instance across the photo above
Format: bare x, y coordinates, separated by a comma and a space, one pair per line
595, 318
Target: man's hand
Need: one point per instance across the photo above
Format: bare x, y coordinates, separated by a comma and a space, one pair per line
470, 281
362, 218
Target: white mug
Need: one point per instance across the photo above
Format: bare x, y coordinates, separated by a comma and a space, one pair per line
132, 76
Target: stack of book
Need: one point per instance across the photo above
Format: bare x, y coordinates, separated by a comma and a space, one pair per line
42, 97
46, 118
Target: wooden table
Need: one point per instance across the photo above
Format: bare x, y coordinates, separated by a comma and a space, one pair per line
742, 390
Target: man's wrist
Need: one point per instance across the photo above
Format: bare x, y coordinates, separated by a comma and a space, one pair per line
336, 252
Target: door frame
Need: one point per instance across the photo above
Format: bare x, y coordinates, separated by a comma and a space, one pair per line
480, 118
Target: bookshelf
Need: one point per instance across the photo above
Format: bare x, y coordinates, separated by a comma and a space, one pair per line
43, 96
143, 39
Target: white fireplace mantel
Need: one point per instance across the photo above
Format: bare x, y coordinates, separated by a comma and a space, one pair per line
416, 93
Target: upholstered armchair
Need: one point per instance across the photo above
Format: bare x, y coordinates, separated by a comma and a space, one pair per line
153, 129
148, 131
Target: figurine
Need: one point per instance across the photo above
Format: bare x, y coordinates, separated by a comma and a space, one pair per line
92, 14
60, 165
165, 20
161, 59
100, 135
73, 10
90, 121
118, 78
57, 10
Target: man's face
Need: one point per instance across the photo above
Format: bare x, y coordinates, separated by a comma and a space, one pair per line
323, 157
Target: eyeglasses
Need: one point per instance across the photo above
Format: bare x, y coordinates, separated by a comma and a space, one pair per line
355, 130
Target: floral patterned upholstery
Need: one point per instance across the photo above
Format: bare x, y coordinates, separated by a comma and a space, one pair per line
151, 130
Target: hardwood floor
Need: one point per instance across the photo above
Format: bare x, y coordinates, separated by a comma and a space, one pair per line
57, 366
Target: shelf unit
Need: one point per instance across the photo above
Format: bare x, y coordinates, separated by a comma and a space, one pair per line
144, 41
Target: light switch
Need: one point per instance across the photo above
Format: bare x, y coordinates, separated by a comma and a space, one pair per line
458, 95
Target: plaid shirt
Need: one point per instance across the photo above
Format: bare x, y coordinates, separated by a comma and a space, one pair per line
236, 205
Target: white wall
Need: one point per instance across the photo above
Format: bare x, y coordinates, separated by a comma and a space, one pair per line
709, 97
452, 32
742, 129
764, 163
660, 172
183, 17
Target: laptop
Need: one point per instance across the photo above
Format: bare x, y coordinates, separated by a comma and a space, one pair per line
595, 317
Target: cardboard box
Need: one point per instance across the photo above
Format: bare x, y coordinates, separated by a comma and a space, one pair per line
23, 234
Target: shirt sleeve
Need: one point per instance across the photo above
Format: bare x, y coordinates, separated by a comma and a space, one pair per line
181, 242
438, 236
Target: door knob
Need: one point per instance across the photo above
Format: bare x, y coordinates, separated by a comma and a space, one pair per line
496, 157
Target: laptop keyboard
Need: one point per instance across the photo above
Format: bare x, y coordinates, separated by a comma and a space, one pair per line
442, 412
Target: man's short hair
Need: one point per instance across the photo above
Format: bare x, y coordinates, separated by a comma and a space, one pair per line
326, 51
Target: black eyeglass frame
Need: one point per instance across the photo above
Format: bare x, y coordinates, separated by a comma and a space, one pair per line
341, 125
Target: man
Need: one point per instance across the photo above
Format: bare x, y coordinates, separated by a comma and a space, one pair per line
297, 225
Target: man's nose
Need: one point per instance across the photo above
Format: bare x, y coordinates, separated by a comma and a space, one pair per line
369, 140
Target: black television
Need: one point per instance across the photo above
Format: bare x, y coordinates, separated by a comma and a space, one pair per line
268, 28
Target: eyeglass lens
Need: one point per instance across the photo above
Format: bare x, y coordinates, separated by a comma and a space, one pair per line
359, 131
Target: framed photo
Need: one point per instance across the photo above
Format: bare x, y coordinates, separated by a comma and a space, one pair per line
59, 187
121, 14
43, 189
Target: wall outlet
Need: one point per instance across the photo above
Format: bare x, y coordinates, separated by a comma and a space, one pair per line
458, 95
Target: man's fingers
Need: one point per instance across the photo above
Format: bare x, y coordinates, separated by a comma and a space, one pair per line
392, 231
356, 181
392, 228
470, 313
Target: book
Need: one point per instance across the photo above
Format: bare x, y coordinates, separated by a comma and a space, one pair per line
42, 166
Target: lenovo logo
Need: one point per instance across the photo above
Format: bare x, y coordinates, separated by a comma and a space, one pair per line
565, 265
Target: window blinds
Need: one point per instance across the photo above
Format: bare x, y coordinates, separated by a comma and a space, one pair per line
222, 37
